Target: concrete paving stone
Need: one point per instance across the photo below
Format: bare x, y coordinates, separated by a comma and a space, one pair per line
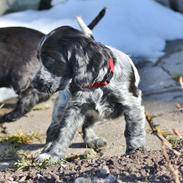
154, 79
174, 94
173, 64
173, 46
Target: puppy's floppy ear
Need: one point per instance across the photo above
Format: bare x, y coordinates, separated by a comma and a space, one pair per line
86, 64
53, 59
54, 62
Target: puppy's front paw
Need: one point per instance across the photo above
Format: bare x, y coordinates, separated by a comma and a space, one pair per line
43, 157
50, 159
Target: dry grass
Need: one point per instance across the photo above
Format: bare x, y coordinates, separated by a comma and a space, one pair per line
22, 137
11, 145
88, 154
27, 160
42, 106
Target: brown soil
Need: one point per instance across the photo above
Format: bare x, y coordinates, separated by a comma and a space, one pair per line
140, 166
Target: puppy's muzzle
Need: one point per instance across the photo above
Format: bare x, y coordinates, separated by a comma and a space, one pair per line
49, 83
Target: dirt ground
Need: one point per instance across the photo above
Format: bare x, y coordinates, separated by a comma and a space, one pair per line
149, 166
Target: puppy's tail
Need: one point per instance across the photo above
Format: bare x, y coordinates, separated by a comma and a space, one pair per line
97, 19
84, 27
87, 29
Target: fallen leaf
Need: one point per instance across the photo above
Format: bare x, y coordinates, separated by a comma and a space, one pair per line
177, 132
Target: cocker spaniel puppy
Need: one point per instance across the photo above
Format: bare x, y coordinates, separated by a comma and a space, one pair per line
96, 82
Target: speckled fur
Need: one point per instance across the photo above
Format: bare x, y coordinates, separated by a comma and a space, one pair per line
69, 54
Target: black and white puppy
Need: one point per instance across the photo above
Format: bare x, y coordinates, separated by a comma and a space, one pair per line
97, 82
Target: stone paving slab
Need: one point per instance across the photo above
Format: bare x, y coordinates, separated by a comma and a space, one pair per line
166, 95
154, 79
159, 79
173, 64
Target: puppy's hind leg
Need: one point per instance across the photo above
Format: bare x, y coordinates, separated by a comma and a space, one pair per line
135, 123
89, 136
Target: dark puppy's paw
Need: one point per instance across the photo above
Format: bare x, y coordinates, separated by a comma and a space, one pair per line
97, 143
8, 117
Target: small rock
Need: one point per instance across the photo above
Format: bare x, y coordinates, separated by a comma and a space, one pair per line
104, 171
55, 177
119, 181
39, 176
22, 179
110, 162
98, 180
83, 180
110, 179
11, 179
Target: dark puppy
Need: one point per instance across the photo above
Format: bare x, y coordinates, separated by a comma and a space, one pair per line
19, 66
98, 82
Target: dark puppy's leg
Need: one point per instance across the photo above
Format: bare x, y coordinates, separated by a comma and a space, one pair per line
89, 136
26, 101
135, 122
58, 112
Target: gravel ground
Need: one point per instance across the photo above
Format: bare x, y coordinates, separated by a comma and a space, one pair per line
148, 166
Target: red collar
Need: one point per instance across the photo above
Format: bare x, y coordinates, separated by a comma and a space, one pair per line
107, 77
